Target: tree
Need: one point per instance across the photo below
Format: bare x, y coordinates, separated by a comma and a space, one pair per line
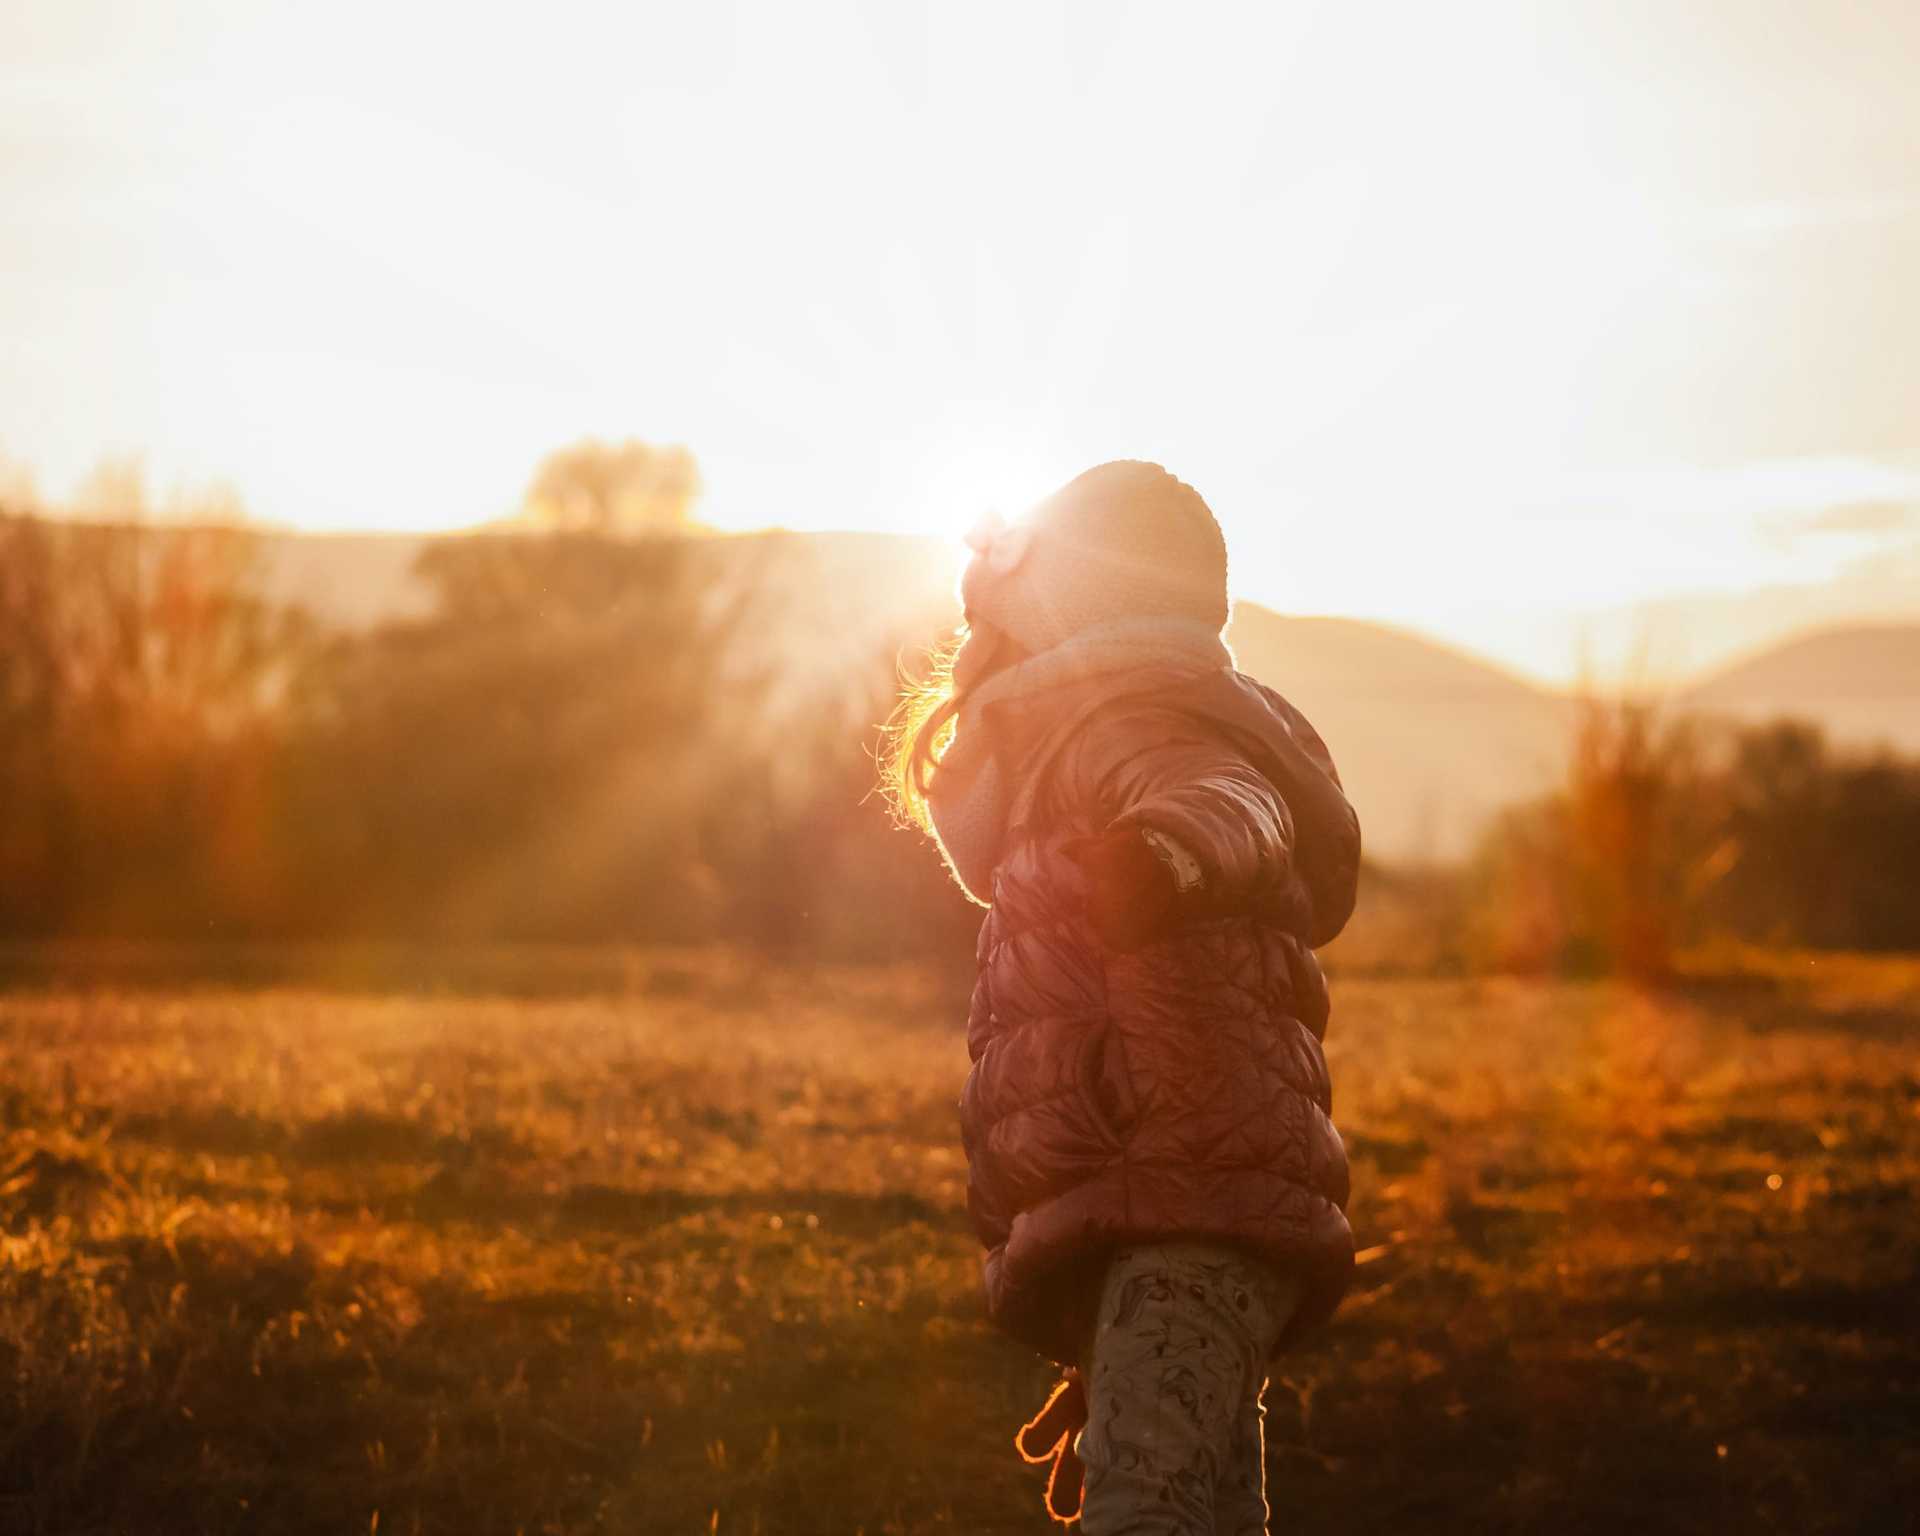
1599, 877
628, 489
533, 760
140, 673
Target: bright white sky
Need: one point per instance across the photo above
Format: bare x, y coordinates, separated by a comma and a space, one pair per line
1460, 316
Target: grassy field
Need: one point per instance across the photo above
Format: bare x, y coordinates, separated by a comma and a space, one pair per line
692, 1258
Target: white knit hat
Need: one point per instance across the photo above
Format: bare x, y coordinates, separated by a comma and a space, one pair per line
1125, 540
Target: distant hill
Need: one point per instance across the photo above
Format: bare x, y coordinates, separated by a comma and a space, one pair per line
1430, 741
1861, 685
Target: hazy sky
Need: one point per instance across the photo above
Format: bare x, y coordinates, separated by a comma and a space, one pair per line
1491, 320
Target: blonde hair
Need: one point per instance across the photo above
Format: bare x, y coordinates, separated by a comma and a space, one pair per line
918, 733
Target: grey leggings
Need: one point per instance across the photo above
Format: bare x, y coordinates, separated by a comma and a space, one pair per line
1174, 1374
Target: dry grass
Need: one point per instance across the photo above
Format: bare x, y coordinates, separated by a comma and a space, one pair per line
693, 1259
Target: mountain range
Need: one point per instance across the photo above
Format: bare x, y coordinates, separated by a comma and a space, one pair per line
1430, 740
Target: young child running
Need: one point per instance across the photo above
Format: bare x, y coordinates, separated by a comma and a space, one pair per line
1160, 842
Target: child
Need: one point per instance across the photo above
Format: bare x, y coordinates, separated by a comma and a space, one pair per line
1160, 842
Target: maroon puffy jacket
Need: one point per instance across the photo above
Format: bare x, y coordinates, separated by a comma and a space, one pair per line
1178, 1090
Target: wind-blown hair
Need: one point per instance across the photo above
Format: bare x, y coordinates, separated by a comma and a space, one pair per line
918, 732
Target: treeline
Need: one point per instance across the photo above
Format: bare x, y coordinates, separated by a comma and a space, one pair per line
586, 740
1671, 832
596, 735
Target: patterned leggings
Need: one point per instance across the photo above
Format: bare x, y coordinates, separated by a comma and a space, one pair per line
1173, 1441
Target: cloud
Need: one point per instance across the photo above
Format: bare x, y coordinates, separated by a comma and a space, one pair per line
1869, 517
1784, 217
1686, 634
1780, 492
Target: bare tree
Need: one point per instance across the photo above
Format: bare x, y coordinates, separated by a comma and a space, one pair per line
140, 679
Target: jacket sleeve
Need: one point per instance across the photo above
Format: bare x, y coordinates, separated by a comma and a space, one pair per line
1165, 770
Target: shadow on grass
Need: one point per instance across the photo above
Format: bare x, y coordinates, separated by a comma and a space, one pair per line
211, 1386
221, 1387
1393, 1156
475, 1193
1763, 1005
1682, 1303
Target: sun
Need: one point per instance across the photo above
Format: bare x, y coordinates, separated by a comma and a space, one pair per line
953, 489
